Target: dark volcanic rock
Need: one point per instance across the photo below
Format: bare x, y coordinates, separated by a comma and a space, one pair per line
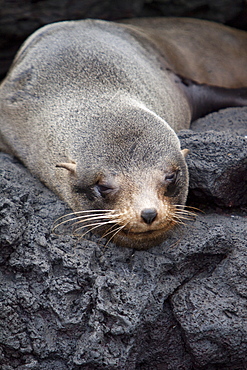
76, 304
218, 157
212, 310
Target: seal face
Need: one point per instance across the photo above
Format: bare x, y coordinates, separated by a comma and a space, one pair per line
134, 193
92, 107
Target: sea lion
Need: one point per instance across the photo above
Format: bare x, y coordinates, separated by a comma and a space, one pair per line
92, 109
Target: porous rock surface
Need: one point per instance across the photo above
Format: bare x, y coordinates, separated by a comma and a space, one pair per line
218, 157
75, 304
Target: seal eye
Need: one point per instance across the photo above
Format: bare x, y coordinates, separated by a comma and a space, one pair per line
171, 177
171, 182
102, 190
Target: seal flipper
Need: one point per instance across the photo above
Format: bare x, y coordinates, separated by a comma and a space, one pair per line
205, 99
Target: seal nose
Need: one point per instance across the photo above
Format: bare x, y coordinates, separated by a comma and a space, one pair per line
148, 215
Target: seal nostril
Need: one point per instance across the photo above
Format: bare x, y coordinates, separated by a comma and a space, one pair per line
148, 215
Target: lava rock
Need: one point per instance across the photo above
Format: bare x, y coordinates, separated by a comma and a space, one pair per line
218, 157
211, 309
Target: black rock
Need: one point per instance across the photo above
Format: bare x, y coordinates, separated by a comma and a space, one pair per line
218, 157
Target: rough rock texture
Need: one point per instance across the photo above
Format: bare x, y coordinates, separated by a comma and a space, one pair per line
18, 18
76, 304
218, 158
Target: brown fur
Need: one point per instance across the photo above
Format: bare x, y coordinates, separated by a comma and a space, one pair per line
92, 107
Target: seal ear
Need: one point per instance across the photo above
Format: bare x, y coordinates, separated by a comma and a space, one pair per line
185, 152
68, 166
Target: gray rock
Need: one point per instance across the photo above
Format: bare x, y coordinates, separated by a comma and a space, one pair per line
218, 157
211, 308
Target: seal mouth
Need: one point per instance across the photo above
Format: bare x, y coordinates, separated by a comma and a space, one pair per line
140, 240
147, 234
141, 234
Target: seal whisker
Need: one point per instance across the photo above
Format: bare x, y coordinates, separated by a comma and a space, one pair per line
116, 232
92, 228
74, 219
93, 218
84, 217
181, 215
184, 217
86, 211
183, 212
187, 208
112, 229
109, 231
177, 220
181, 224
89, 210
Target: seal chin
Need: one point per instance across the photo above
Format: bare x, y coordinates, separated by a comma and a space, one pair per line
144, 239
143, 233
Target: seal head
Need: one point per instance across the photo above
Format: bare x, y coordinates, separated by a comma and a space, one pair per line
135, 190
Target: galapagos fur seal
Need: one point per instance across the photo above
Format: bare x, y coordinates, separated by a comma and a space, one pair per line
92, 109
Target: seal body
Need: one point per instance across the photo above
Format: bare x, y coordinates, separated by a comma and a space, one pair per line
92, 109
